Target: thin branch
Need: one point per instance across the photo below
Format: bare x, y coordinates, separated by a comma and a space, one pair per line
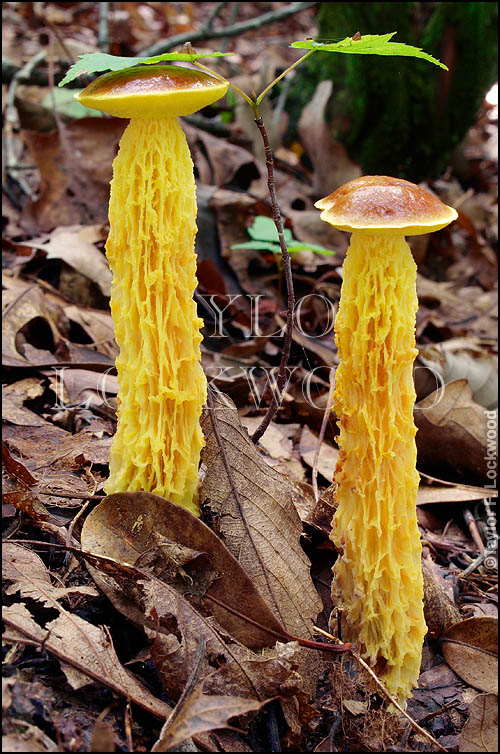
212, 16
103, 31
287, 269
326, 417
229, 31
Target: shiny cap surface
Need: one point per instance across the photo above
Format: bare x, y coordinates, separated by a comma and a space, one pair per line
379, 203
152, 91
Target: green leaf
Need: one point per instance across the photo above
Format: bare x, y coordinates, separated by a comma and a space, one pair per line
296, 246
258, 246
96, 62
369, 44
265, 238
263, 229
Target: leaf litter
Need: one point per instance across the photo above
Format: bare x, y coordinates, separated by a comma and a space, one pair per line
169, 581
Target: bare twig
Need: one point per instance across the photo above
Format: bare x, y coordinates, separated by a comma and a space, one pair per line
103, 31
207, 27
472, 526
229, 31
287, 269
21, 76
326, 417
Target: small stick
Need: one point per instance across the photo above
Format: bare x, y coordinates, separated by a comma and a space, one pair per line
472, 526
326, 416
287, 269
103, 32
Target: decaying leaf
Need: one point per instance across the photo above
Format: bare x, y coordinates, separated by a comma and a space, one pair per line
75, 245
470, 648
439, 611
451, 433
202, 712
257, 519
480, 732
328, 455
85, 651
176, 628
146, 530
332, 166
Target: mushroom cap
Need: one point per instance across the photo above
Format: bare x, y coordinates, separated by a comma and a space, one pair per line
152, 91
381, 204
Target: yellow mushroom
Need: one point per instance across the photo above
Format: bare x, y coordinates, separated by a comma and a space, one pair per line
152, 216
378, 576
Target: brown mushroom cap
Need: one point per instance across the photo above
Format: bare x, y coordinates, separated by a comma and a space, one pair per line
152, 91
381, 204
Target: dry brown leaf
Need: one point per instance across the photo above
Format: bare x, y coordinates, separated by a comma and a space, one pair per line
25, 306
27, 574
458, 309
328, 455
75, 171
451, 494
146, 530
451, 433
331, 163
75, 245
439, 611
176, 627
57, 457
470, 648
480, 732
202, 712
259, 524
30, 739
13, 398
84, 650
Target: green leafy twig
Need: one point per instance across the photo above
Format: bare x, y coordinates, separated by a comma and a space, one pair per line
369, 44
97, 62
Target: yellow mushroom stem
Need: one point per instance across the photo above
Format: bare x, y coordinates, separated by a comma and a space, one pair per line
150, 249
378, 576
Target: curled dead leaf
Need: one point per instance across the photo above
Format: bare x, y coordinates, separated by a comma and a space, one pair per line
470, 648
480, 732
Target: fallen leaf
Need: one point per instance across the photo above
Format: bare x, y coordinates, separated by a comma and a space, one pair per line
183, 553
25, 306
459, 359
13, 398
452, 433
480, 732
202, 712
75, 167
355, 707
331, 163
30, 738
439, 611
470, 647
176, 627
259, 524
451, 494
75, 245
57, 457
84, 650
328, 455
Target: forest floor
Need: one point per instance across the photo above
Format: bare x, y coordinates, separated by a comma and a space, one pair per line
100, 647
